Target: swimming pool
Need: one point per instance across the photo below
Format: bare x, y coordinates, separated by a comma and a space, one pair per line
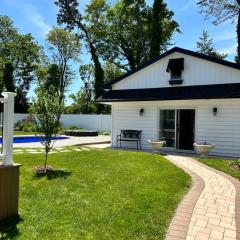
31, 139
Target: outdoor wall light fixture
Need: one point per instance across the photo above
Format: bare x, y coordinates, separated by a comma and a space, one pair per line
215, 110
141, 111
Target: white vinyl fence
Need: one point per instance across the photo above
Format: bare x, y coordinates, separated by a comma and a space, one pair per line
100, 122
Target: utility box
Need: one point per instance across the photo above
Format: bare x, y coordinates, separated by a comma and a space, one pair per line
9, 190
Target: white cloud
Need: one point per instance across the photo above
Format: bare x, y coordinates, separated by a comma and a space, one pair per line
224, 37
32, 15
229, 50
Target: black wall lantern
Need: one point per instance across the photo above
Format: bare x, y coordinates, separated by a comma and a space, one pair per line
215, 110
141, 111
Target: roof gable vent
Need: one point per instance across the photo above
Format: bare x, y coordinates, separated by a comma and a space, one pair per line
176, 64
175, 68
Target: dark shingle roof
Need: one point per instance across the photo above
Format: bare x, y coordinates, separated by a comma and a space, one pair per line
217, 91
175, 49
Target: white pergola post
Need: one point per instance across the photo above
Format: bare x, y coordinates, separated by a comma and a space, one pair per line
8, 122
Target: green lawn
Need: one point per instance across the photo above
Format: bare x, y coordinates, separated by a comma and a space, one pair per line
97, 194
21, 133
24, 133
221, 165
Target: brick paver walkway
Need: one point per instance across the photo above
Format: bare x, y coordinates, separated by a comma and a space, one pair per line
213, 213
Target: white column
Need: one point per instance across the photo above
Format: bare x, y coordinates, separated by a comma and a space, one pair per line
8, 121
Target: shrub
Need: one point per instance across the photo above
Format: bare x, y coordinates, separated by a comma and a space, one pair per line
26, 125
105, 133
74, 127
238, 162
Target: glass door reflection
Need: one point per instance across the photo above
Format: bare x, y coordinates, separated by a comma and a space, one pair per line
168, 127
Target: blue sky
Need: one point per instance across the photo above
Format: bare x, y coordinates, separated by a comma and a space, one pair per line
39, 16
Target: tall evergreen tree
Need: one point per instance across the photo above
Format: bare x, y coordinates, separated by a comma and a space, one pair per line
238, 39
205, 46
162, 28
221, 11
8, 79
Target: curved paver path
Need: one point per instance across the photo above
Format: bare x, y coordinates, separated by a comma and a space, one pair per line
212, 205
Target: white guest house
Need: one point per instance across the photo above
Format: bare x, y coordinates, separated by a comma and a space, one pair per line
182, 97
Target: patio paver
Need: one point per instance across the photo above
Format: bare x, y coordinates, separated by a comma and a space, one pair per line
213, 213
70, 141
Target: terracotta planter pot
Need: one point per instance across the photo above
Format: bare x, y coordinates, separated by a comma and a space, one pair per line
204, 149
156, 145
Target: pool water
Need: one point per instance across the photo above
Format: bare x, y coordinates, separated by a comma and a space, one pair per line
31, 139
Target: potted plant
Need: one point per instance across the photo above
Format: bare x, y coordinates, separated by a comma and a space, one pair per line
204, 148
156, 144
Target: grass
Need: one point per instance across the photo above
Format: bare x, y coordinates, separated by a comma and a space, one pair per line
24, 133
21, 133
221, 165
97, 194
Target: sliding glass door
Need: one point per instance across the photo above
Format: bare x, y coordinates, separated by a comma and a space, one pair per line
177, 128
168, 127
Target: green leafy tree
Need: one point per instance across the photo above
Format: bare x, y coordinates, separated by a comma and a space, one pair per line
129, 32
162, 28
221, 11
84, 100
24, 53
205, 46
8, 81
81, 103
53, 78
119, 33
111, 72
47, 111
65, 47
70, 16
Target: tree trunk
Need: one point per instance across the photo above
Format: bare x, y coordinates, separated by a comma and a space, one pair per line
99, 77
99, 73
45, 162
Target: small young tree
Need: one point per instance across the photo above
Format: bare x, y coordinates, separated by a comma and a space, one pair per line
47, 111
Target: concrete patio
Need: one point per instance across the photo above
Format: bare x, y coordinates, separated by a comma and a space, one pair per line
70, 141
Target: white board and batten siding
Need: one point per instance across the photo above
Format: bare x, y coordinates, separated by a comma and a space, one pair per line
196, 72
126, 116
222, 130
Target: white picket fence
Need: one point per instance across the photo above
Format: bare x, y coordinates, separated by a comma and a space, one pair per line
96, 122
